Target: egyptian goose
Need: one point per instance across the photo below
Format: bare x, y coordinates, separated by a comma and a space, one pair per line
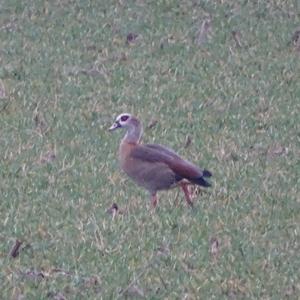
153, 166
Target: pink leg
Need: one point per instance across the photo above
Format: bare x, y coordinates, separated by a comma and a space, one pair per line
185, 189
154, 200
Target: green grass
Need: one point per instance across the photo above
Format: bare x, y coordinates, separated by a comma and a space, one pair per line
66, 71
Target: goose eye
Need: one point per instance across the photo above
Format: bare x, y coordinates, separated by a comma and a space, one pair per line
124, 118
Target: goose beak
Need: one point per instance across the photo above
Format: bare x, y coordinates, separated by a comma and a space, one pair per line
114, 126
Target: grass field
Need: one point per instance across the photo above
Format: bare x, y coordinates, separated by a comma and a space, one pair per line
223, 75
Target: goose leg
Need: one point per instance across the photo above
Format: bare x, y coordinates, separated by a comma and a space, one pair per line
187, 194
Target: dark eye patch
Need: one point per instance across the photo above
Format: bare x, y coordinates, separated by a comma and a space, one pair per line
124, 118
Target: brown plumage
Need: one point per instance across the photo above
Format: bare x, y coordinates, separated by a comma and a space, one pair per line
153, 166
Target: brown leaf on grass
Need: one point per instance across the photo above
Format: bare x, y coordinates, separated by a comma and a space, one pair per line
113, 209
237, 37
61, 272
214, 247
202, 33
92, 281
15, 250
152, 123
163, 250
33, 274
296, 37
188, 141
48, 157
295, 40
40, 122
131, 37
164, 43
